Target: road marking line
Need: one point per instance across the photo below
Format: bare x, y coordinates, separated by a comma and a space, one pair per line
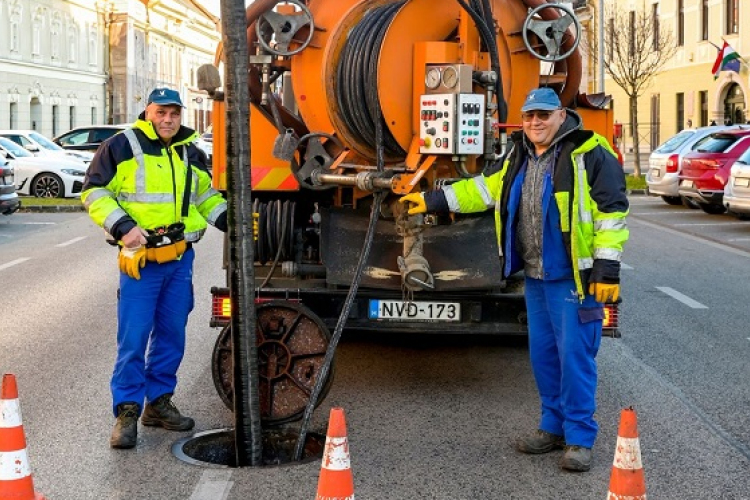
13, 263
681, 297
39, 223
625, 266
70, 242
213, 485
738, 239
698, 239
712, 224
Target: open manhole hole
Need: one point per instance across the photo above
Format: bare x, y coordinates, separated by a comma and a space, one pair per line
216, 447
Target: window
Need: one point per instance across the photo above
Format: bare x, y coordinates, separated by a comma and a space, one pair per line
14, 41
72, 45
93, 55
13, 115
36, 37
733, 16
704, 19
703, 102
680, 22
55, 29
680, 111
55, 119
631, 34
655, 26
71, 117
93, 115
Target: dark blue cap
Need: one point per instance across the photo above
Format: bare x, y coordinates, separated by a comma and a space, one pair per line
543, 99
164, 97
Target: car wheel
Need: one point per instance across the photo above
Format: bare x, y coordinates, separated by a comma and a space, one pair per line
713, 209
47, 185
688, 203
672, 200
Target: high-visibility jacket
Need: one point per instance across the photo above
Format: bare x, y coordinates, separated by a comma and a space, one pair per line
135, 179
589, 191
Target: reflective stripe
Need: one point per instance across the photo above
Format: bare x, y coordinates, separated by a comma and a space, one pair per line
484, 191
209, 193
194, 191
216, 212
610, 224
585, 263
140, 173
96, 194
194, 236
450, 197
584, 215
607, 253
112, 218
14, 465
146, 197
10, 413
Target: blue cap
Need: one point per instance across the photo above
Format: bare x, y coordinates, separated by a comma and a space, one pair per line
164, 97
543, 99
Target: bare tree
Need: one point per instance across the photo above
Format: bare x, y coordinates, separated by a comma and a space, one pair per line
636, 47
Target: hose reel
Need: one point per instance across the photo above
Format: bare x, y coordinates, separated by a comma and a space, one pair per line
551, 33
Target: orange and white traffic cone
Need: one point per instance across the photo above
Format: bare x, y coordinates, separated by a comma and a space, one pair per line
336, 481
627, 481
15, 472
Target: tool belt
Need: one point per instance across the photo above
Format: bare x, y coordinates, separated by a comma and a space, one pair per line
165, 244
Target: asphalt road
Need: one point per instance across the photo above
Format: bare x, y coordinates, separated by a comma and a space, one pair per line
427, 417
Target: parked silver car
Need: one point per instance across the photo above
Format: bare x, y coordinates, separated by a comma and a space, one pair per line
664, 163
737, 189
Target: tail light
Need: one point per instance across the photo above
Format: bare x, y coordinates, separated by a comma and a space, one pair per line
672, 163
6, 175
611, 323
221, 306
710, 164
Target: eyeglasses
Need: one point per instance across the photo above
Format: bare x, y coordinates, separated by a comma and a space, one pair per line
542, 115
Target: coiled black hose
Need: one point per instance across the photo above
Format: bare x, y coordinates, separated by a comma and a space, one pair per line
356, 79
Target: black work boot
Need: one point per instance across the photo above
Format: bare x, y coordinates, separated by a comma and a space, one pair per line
539, 442
125, 432
163, 413
576, 459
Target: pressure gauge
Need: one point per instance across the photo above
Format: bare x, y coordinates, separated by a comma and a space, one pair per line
450, 77
432, 79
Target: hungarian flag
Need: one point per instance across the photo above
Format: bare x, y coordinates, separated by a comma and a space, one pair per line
726, 60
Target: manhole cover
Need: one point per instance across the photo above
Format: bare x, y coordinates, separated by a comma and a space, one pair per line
216, 447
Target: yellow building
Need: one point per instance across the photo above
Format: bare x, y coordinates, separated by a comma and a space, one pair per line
684, 93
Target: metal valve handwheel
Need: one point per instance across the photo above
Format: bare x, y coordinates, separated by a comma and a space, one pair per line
316, 159
282, 28
552, 33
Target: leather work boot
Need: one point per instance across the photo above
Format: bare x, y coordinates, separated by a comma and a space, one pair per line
125, 432
576, 459
539, 442
162, 412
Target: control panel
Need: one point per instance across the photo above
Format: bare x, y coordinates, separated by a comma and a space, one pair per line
451, 124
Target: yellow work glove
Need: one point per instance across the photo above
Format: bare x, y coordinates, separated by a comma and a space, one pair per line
418, 205
132, 260
604, 292
256, 216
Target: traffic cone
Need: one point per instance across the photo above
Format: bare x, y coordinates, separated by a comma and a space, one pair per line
15, 471
627, 480
336, 481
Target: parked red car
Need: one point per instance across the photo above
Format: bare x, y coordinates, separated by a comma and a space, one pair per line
706, 169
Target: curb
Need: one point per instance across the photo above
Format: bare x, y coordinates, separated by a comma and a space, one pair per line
50, 208
637, 191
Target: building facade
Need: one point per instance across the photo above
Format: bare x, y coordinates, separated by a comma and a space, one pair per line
70, 63
684, 92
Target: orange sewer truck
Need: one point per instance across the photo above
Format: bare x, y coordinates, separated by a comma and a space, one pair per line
355, 103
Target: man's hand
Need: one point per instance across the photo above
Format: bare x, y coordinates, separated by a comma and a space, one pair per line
604, 292
135, 238
418, 205
132, 260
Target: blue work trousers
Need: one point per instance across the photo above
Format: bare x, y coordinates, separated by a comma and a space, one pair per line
152, 315
564, 337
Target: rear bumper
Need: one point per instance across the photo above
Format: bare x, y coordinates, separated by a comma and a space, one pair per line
666, 185
737, 204
710, 197
9, 203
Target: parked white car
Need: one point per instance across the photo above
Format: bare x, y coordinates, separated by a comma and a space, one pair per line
737, 189
38, 145
43, 176
665, 162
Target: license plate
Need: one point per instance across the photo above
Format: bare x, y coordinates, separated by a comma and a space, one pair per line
655, 172
415, 311
742, 182
687, 184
